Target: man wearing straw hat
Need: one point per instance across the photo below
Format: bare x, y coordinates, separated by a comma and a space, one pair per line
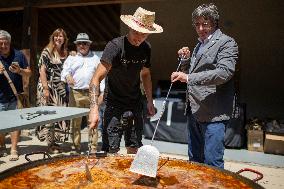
124, 62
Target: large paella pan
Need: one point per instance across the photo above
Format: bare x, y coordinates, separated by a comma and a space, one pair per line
113, 172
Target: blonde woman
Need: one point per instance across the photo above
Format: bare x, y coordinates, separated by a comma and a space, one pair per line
51, 90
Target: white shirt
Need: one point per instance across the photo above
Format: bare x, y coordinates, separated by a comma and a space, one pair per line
81, 68
203, 43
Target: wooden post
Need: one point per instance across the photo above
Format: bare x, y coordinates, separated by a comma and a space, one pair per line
29, 42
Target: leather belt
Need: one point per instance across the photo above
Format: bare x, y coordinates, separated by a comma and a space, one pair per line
81, 90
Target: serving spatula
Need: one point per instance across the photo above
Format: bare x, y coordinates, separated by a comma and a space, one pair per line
147, 157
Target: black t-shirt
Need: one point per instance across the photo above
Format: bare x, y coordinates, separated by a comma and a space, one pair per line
123, 80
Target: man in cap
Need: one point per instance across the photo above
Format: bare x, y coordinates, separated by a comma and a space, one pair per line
16, 65
125, 60
77, 72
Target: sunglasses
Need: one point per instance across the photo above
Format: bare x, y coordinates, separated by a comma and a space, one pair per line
83, 43
204, 25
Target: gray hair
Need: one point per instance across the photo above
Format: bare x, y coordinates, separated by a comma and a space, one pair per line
5, 34
208, 12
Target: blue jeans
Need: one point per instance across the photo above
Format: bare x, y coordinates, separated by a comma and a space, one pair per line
12, 105
206, 142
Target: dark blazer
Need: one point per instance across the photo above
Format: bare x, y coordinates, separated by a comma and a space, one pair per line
210, 84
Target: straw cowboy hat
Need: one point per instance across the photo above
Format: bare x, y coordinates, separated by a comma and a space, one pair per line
142, 21
82, 37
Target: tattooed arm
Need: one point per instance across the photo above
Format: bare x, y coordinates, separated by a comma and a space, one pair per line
94, 93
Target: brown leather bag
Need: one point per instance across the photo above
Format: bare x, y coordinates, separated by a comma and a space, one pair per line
22, 98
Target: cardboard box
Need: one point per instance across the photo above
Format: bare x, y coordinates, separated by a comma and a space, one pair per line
255, 140
274, 143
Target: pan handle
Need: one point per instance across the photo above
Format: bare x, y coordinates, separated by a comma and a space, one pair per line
259, 174
45, 154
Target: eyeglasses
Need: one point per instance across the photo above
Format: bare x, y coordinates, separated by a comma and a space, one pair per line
4, 43
83, 43
204, 25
